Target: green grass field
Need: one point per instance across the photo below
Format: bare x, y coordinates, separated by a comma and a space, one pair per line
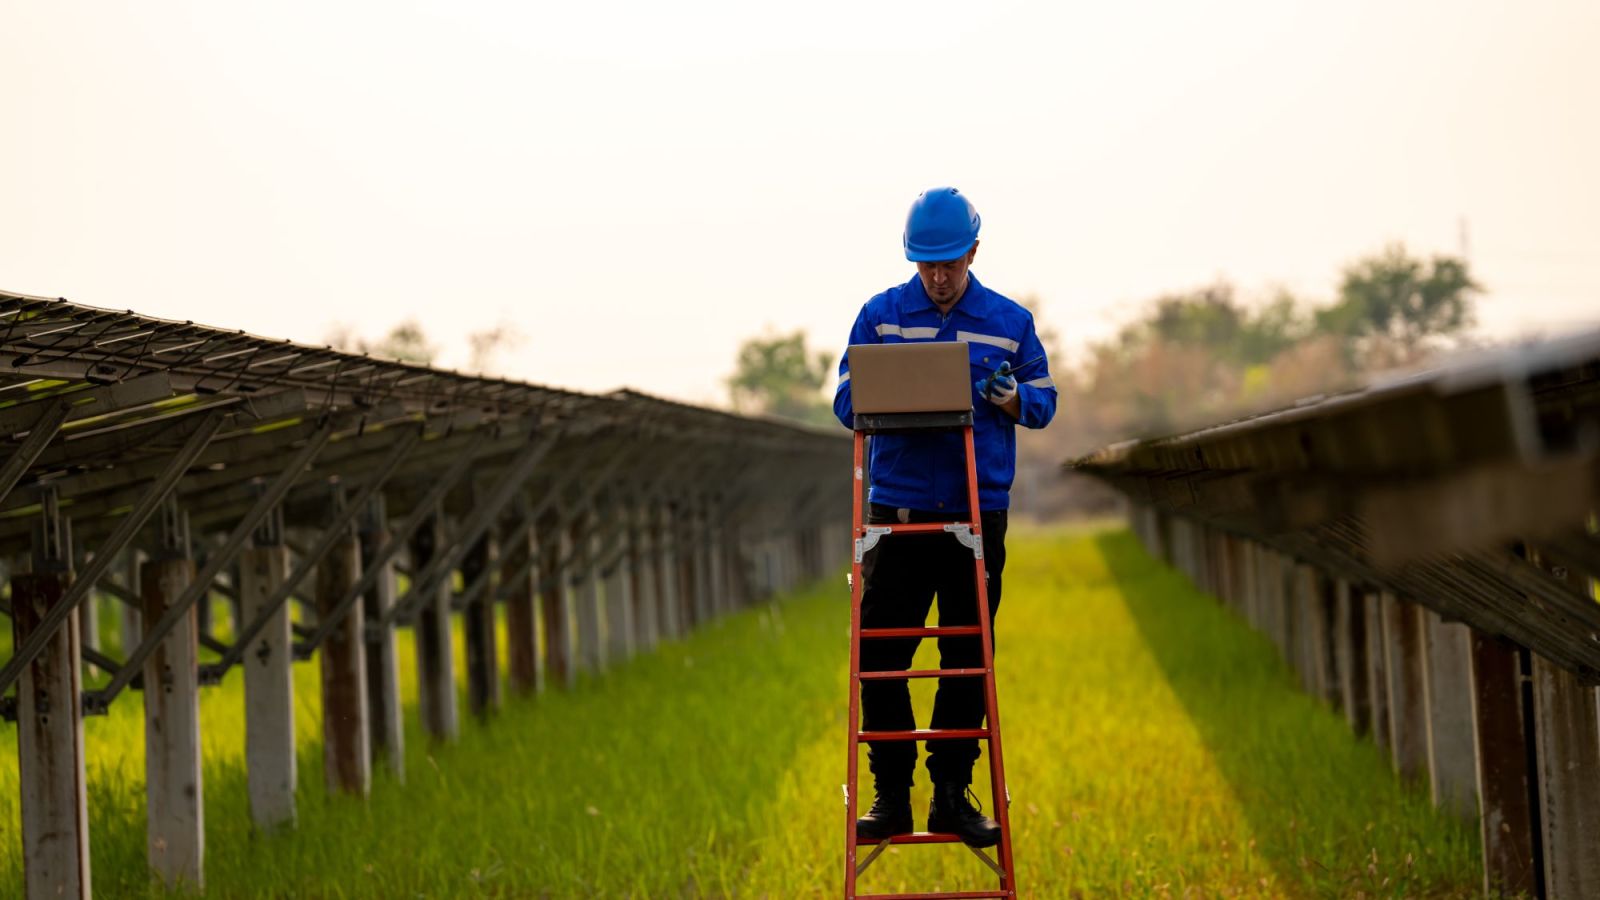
1155, 747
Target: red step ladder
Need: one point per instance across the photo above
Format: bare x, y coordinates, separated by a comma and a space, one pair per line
969, 533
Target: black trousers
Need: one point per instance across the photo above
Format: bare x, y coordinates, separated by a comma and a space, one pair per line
900, 577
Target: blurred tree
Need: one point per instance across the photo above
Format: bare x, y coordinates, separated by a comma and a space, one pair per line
1391, 303
405, 342
1214, 318
777, 375
489, 343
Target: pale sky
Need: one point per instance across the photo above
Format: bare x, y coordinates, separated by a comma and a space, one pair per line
638, 186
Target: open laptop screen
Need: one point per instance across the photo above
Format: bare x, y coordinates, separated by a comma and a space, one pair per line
901, 378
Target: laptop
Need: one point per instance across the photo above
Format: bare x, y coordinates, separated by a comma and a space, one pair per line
906, 378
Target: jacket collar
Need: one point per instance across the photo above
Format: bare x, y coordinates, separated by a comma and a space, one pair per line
975, 302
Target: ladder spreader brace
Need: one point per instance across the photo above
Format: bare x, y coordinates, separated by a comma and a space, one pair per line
964, 533
969, 535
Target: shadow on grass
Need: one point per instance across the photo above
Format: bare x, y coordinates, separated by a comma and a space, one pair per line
1327, 811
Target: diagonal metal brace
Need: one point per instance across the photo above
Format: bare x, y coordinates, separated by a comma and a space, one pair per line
509, 483
873, 856
968, 538
153, 497
988, 861
43, 432
396, 541
207, 576
309, 560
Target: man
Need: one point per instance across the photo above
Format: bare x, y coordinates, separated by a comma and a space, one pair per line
922, 478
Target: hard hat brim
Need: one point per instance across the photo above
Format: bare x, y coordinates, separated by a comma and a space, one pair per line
940, 254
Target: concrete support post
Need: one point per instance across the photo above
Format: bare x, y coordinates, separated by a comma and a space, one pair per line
346, 750
684, 539
436, 685
1567, 731
173, 789
700, 551
1350, 641
54, 798
641, 569
1452, 754
618, 589
1296, 612
386, 736
555, 604
478, 623
585, 580
523, 663
1504, 779
1377, 675
1316, 615
1408, 708
1279, 570
269, 732
668, 582
717, 560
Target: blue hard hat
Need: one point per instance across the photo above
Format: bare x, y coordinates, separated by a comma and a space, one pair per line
942, 225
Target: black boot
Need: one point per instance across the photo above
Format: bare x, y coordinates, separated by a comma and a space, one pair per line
890, 815
951, 813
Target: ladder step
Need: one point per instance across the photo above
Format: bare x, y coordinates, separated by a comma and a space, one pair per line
917, 527
922, 632
916, 837
974, 895
952, 894
923, 673
924, 734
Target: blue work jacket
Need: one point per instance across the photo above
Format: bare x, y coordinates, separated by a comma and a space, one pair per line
927, 471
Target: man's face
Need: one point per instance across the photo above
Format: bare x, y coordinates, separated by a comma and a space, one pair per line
946, 279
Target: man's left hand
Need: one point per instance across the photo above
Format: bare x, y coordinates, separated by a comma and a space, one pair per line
1001, 390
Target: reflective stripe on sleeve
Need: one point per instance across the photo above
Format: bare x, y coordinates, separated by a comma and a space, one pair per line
973, 337
843, 378
910, 333
1044, 382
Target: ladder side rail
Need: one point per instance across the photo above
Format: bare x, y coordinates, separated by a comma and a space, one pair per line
853, 722
997, 769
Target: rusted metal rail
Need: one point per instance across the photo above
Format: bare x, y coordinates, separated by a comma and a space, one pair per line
325, 499
1424, 554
